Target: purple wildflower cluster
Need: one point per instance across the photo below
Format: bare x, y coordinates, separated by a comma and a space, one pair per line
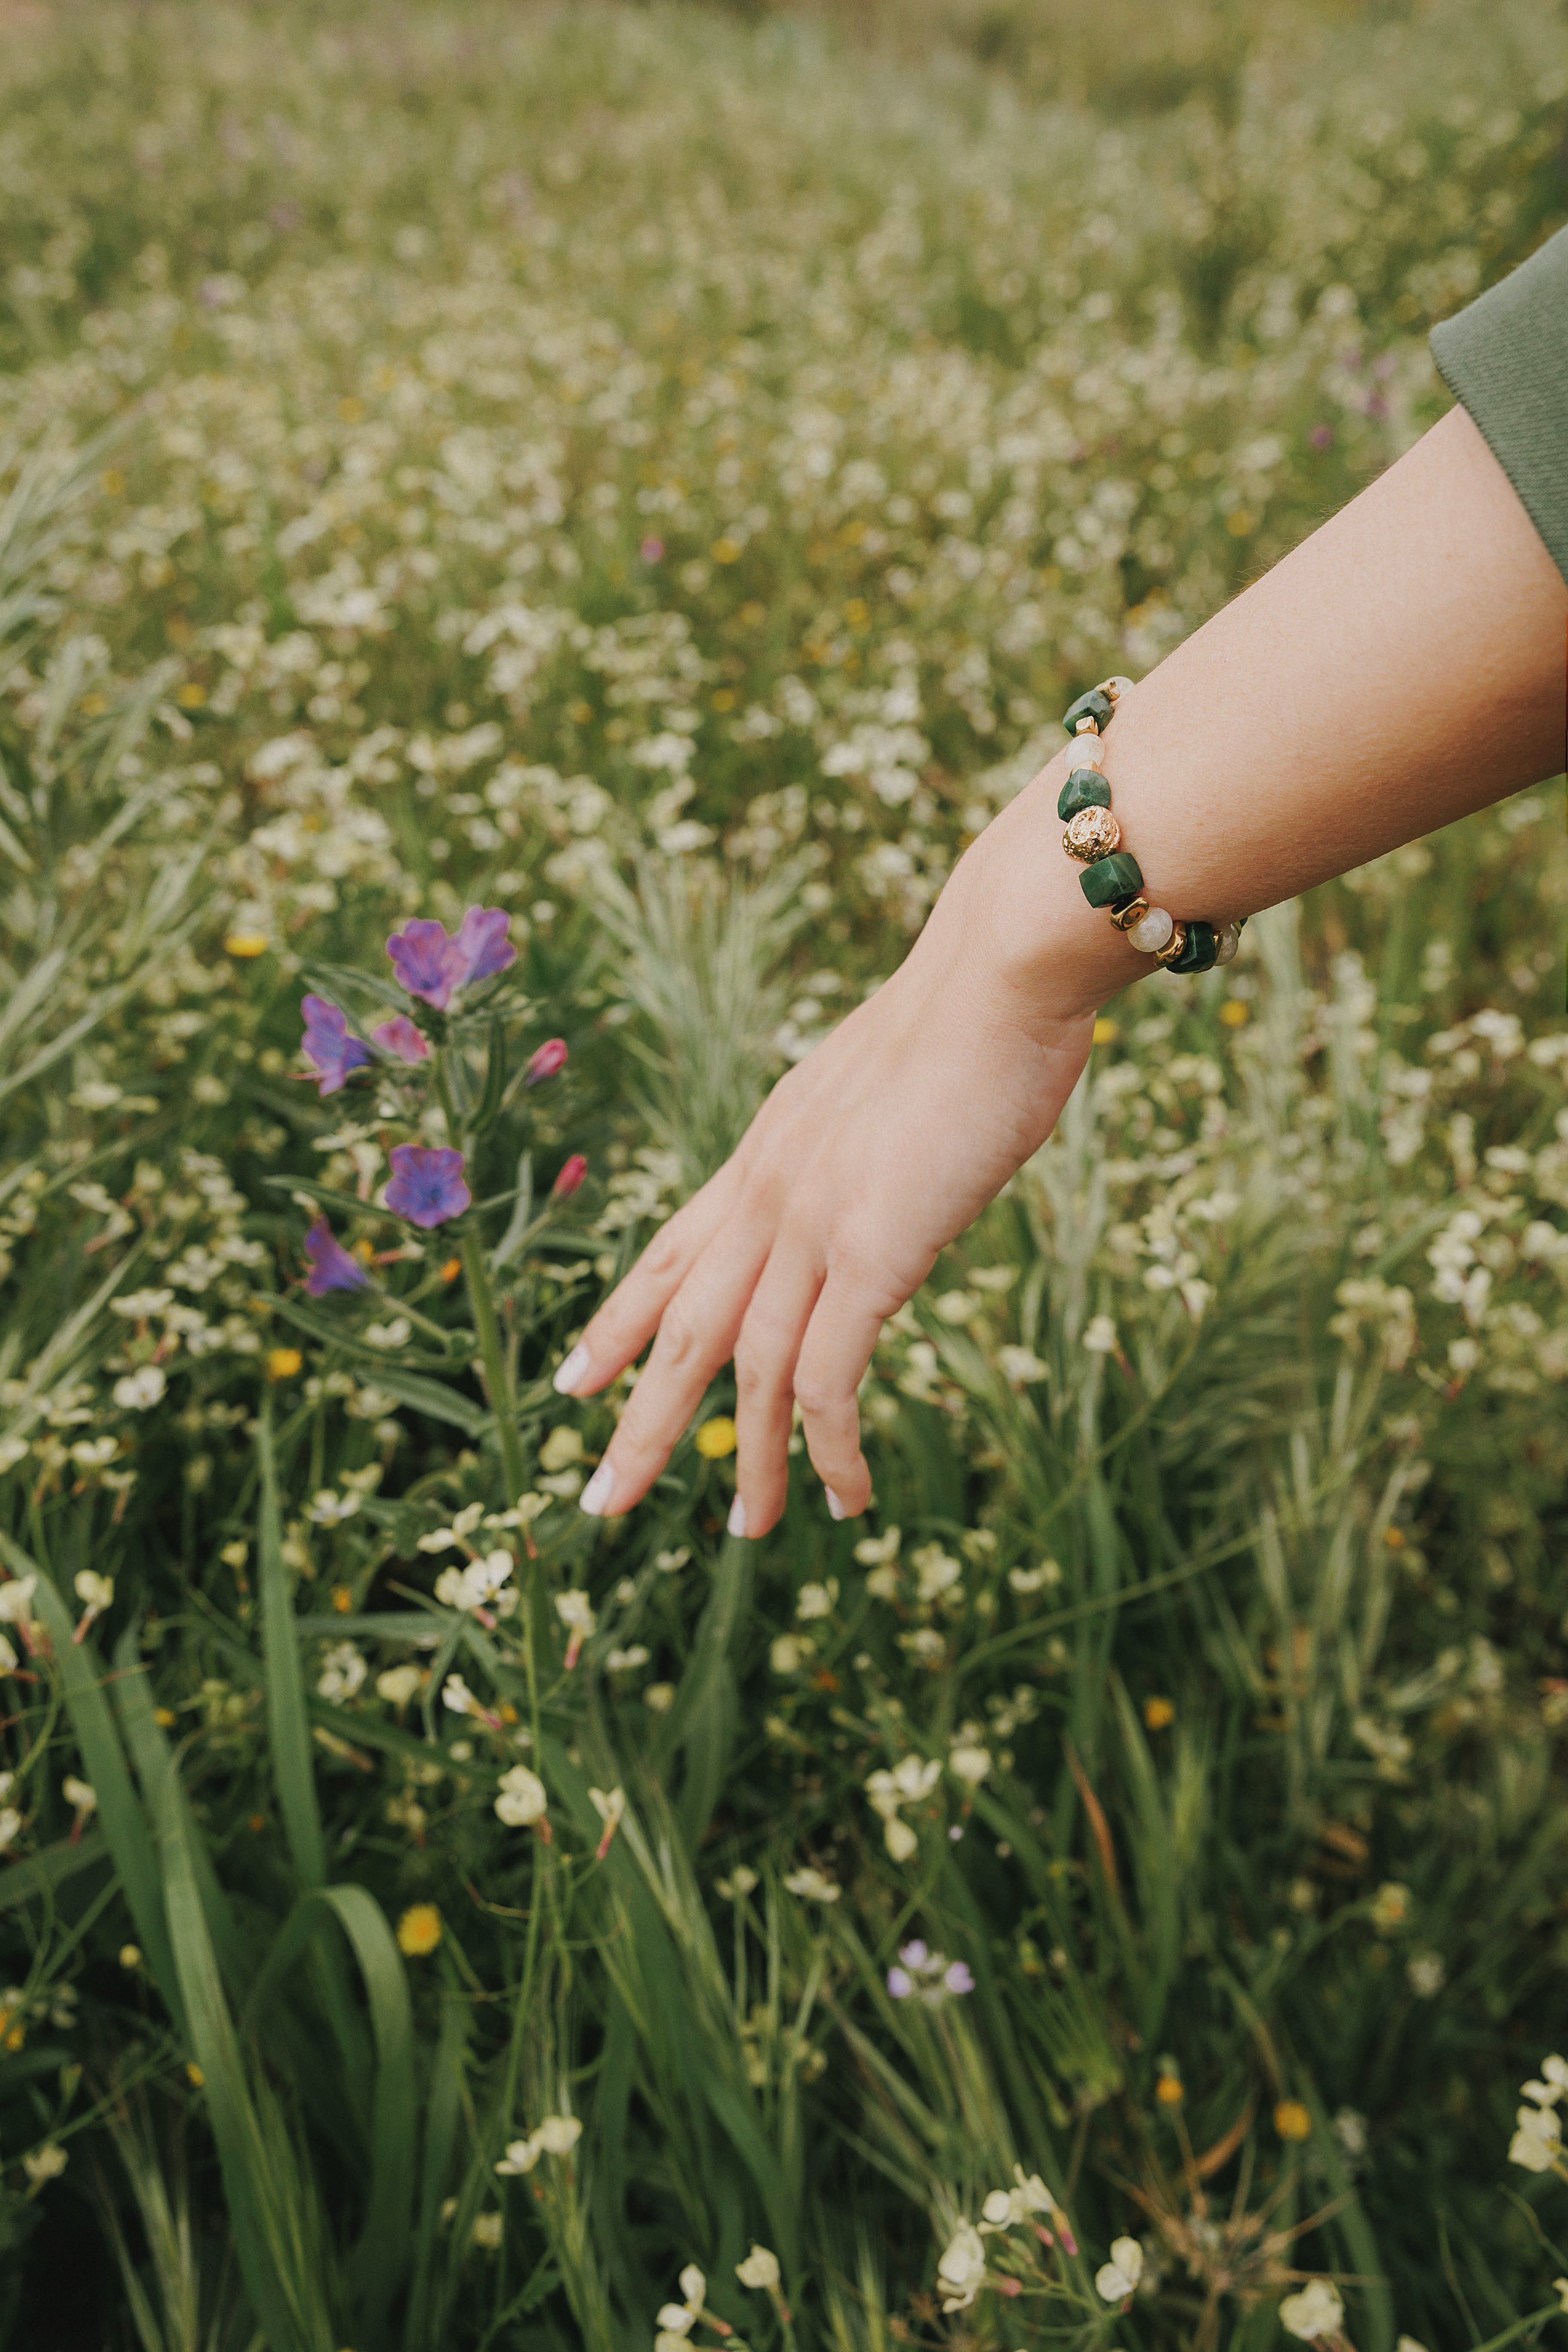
428, 1184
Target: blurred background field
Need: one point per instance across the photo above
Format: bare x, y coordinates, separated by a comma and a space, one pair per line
663, 471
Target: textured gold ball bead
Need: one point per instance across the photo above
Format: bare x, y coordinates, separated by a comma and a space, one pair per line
1091, 835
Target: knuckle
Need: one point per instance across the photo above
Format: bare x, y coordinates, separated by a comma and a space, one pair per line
679, 1335
815, 1396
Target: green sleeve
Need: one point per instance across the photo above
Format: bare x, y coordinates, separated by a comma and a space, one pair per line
1505, 358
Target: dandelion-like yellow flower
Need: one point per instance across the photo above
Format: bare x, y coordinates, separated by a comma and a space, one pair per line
193, 2075
716, 1438
245, 943
1233, 1012
419, 1931
1168, 2090
1106, 1032
1158, 1712
191, 696
1293, 2120
282, 1364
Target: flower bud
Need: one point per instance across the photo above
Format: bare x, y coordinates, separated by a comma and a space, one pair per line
571, 1176
544, 1063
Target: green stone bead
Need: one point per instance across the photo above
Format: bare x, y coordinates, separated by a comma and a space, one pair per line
1112, 878
1085, 788
1198, 950
1092, 705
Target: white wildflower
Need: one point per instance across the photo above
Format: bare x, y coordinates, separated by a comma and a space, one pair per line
397, 1684
961, 2272
1117, 2278
1315, 2311
522, 1800
1100, 1337
138, 1392
760, 2269
814, 1885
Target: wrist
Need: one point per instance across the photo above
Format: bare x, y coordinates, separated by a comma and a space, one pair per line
1015, 899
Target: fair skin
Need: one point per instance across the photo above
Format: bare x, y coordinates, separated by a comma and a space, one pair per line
1402, 667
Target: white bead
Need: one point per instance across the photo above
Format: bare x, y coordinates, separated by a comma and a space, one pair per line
1229, 941
1152, 931
1088, 749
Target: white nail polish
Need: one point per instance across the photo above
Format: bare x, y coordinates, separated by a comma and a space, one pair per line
834, 1507
596, 1496
737, 1519
571, 1373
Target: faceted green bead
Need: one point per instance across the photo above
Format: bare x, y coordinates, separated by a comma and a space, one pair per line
1085, 788
1198, 950
1112, 878
1092, 705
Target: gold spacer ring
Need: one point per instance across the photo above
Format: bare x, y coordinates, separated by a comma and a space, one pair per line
1125, 917
1173, 945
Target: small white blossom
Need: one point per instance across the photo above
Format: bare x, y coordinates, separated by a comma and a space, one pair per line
397, 1684
1117, 2278
812, 1884
760, 2269
80, 1795
522, 1798
1100, 1337
816, 1600
961, 2272
45, 2163
1315, 2311
343, 1671
139, 1391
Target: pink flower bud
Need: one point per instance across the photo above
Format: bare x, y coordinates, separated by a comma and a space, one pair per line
550, 1057
571, 1176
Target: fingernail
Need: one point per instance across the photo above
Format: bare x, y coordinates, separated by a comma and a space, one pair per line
737, 1520
836, 1508
597, 1495
572, 1371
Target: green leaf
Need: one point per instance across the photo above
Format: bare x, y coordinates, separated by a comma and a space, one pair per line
43, 1871
321, 1329
511, 1240
288, 1725
335, 980
380, 2257
118, 1808
440, 1404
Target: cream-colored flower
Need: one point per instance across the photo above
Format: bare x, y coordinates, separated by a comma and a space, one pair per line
1390, 1906
760, 2269
80, 1795
969, 1763
1537, 2144
1315, 2311
1117, 2279
399, 1685
814, 1885
94, 1591
899, 1840
45, 2163
522, 2155
816, 1600
961, 2272
522, 1798
559, 2135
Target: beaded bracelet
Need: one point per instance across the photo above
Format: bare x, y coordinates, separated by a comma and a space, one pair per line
1111, 876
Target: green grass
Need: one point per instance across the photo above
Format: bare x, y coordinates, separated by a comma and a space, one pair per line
663, 472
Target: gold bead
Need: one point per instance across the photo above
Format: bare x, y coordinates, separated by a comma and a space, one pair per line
1173, 945
1125, 917
1086, 725
1092, 833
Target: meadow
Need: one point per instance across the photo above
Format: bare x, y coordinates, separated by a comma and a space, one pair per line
660, 472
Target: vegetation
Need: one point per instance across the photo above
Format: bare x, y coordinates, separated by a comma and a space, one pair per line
660, 473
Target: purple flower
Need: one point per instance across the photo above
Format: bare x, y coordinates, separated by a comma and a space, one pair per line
426, 1186
332, 1267
329, 1046
550, 1057
651, 550
434, 965
400, 1037
1322, 437
958, 1978
900, 1984
913, 1956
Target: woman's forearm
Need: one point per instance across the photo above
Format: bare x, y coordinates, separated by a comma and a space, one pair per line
1404, 665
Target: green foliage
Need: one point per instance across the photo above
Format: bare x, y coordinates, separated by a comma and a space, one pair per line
662, 475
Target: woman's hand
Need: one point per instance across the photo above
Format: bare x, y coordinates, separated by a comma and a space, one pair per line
862, 1164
